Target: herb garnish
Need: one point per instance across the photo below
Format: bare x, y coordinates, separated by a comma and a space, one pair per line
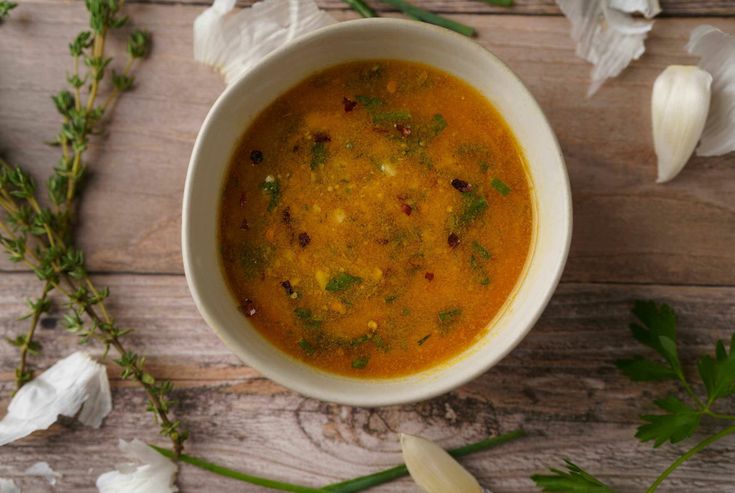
307, 318
474, 205
481, 250
449, 315
342, 281
500, 186
438, 124
369, 102
360, 362
272, 187
679, 420
391, 116
421, 341
308, 348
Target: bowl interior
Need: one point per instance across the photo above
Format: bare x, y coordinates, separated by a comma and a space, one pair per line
374, 39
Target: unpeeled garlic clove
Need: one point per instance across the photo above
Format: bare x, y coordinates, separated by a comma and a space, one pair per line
679, 107
433, 469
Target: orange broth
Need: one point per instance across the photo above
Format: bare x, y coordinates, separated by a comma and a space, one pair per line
375, 218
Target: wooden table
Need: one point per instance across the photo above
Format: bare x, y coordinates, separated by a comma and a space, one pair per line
632, 239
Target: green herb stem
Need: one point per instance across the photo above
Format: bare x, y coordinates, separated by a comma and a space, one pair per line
22, 374
424, 15
688, 455
371, 480
350, 486
501, 3
238, 475
361, 8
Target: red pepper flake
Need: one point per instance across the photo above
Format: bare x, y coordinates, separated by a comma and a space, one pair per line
380, 130
286, 215
349, 104
403, 129
248, 307
304, 239
407, 209
256, 157
287, 286
461, 185
296, 148
453, 240
322, 137
244, 225
382, 241
243, 199
429, 276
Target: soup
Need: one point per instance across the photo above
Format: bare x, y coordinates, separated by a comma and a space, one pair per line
375, 218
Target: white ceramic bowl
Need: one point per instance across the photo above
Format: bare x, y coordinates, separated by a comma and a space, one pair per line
242, 101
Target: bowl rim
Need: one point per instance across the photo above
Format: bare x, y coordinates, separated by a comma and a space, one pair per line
450, 382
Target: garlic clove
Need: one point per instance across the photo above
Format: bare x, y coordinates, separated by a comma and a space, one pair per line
433, 469
679, 107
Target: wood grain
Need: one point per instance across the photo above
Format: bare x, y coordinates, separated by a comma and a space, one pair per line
520, 7
627, 229
560, 384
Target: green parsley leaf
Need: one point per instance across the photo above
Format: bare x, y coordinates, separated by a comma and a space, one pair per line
573, 480
680, 422
718, 373
272, 187
319, 154
657, 330
342, 281
438, 124
640, 369
500, 186
360, 362
369, 102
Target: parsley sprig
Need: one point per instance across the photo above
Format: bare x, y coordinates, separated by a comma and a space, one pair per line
679, 416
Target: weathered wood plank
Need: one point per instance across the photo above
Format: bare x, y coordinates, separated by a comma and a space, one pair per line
560, 384
520, 7
627, 229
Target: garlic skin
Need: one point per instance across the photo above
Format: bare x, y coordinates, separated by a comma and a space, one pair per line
73, 383
679, 107
716, 52
433, 469
147, 472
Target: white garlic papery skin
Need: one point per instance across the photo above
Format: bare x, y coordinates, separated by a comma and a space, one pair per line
679, 107
433, 469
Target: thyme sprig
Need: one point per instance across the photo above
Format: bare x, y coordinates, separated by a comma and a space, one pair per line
41, 238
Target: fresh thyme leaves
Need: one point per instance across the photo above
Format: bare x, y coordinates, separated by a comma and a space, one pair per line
5, 8
678, 419
573, 480
41, 237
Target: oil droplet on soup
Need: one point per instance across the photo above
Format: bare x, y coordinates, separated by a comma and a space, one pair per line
375, 218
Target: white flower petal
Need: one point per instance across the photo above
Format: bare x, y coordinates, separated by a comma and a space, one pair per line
433, 469
607, 35
679, 105
45, 471
234, 42
149, 473
72, 383
8, 486
716, 52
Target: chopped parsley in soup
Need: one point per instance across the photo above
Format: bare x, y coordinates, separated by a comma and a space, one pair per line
375, 218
